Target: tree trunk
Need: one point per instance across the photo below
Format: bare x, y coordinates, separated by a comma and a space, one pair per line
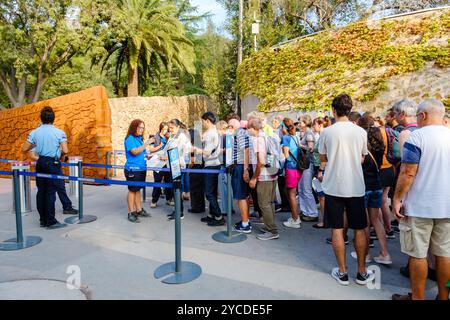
132, 82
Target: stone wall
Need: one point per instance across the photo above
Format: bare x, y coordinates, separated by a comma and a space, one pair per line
85, 117
153, 111
430, 82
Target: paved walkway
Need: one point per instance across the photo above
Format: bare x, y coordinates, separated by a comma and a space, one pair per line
117, 258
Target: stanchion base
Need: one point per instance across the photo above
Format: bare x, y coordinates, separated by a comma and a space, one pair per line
188, 271
76, 219
12, 244
222, 236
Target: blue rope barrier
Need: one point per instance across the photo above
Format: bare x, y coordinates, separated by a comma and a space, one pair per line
135, 168
95, 180
6, 173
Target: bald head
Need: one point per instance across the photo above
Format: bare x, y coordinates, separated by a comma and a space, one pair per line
430, 112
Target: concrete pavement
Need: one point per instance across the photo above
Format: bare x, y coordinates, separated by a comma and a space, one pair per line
117, 258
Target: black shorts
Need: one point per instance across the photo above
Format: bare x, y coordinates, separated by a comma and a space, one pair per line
335, 207
387, 177
135, 176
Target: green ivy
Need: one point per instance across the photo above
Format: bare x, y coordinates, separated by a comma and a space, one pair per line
299, 75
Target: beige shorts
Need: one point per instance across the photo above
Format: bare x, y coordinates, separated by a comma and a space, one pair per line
419, 234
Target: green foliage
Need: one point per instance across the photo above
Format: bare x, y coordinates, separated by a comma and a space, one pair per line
356, 59
75, 76
147, 34
38, 37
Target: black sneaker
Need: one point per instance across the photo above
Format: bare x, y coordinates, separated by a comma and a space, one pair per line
371, 243
364, 278
144, 213
373, 235
171, 217
216, 223
278, 208
342, 278
57, 225
390, 235
132, 217
206, 219
70, 211
330, 241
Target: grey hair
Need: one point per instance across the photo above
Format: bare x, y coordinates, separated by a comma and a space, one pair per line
406, 106
432, 107
254, 123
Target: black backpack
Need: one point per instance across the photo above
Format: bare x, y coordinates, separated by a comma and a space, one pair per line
302, 158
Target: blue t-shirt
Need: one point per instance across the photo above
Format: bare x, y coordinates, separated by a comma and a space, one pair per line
132, 142
47, 140
288, 141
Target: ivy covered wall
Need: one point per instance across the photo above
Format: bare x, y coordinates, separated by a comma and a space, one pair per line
363, 59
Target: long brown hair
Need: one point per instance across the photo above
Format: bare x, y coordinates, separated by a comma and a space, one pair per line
132, 129
290, 126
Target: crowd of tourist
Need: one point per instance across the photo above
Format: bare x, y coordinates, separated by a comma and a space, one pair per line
377, 176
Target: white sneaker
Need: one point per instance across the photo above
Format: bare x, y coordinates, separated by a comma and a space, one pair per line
291, 223
153, 205
368, 257
383, 260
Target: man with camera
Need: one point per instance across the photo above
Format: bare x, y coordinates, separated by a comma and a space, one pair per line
50, 145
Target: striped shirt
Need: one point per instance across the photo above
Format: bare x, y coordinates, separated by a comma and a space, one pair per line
241, 142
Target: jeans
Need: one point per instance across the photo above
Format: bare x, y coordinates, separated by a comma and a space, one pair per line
211, 185
305, 193
46, 194
159, 177
185, 187
62, 194
196, 181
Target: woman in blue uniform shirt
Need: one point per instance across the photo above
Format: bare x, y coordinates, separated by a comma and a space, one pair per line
135, 168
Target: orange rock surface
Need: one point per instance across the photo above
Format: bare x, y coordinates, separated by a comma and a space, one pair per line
85, 116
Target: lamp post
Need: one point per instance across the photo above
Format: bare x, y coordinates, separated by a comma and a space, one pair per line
255, 30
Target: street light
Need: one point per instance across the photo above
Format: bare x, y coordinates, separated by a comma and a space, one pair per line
255, 30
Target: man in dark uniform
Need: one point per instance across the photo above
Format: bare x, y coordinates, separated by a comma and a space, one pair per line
50, 145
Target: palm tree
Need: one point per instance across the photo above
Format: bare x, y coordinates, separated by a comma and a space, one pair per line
147, 34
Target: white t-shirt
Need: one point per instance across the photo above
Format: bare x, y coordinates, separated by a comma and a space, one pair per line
211, 143
429, 196
344, 144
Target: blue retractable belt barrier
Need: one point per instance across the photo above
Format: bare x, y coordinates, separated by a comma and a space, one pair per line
94, 180
135, 168
7, 173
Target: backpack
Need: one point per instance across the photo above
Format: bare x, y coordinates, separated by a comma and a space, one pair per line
302, 159
275, 157
393, 146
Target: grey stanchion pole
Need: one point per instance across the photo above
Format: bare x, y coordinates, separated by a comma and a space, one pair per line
179, 271
81, 217
229, 236
19, 242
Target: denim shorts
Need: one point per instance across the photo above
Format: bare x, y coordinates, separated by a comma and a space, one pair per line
240, 188
373, 198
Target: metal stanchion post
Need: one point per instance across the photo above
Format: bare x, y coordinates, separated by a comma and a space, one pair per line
19, 242
229, 236
179, 271
73, 171
81, 217
25, 189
